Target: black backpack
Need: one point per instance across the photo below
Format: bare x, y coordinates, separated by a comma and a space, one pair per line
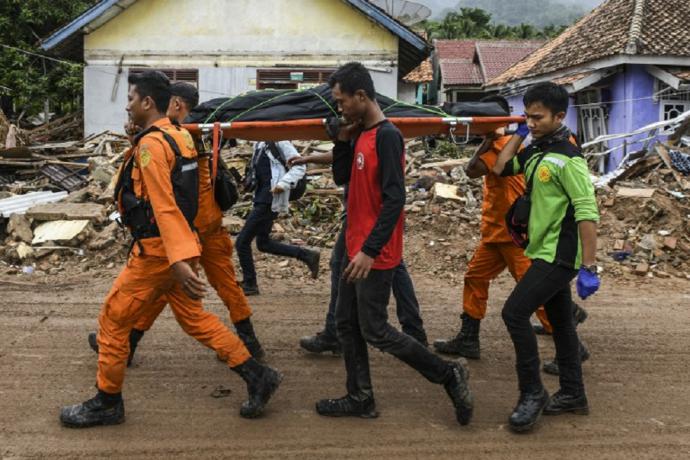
250, 176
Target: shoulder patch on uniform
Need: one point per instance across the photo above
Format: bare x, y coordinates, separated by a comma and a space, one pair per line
144, 156
543, 174
188, 141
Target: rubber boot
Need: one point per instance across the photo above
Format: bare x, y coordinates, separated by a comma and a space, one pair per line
245, 331
466, 343
262, 382
102, 409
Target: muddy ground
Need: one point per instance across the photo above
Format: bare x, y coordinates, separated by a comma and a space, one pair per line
638, 381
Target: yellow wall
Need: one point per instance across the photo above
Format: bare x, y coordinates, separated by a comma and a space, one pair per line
229, 32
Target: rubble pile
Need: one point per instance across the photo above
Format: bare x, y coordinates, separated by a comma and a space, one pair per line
56, 199
645, 219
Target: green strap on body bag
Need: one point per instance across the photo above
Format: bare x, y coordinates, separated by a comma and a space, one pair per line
517, 217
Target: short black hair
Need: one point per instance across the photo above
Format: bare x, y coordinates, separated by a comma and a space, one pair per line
351, 77
153, 84
187, 92
500, 100
554, 97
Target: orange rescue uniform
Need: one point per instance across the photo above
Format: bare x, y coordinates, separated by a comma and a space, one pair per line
147, 275
496, 250
216, 256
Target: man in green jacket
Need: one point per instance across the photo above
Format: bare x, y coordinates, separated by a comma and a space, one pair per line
561, 227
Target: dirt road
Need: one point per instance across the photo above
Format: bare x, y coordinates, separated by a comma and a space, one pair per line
638, 382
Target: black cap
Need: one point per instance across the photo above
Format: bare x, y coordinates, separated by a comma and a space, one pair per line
187, 92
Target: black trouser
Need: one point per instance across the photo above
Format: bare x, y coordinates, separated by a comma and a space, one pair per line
549, 285
258, 225
407, 306
361, 318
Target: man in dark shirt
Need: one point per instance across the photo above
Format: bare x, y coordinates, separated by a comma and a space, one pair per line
273, 183
374, 243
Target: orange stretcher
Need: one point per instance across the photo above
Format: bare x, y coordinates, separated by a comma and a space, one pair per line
460, 129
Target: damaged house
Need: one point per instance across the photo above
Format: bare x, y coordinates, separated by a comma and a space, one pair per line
226, 47
626, 65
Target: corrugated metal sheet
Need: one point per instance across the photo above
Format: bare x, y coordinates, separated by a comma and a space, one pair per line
58, 230
20, 203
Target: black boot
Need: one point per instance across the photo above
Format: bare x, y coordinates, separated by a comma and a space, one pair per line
102, 409
135, 336
93, 341
312, 258
528, 410
458, 390
262, 382
551, 367
466, 343
320, 343
249, 287
562, 402
347, 406
245, 331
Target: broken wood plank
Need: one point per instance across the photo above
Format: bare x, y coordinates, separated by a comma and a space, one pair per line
663, 153
446, 165
627, 192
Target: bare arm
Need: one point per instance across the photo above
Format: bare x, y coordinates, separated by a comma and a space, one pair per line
507, 153
323, 158
588, 237
476, 167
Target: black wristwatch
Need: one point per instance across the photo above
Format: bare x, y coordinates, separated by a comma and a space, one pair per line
593, 269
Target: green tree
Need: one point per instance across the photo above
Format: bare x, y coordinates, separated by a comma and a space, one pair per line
29, 79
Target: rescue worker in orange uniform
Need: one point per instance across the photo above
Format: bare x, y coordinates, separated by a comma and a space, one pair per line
216, 246
157, 197
496, 250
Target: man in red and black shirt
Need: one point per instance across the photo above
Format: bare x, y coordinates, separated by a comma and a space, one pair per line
374, 243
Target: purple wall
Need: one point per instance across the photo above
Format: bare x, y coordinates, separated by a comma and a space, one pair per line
630, 107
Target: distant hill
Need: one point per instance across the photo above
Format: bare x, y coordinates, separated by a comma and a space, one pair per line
539, 13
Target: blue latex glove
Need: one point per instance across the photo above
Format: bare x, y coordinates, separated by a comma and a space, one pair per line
587, 283
522, 130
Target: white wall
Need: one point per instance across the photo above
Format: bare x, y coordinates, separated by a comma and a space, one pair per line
101, 112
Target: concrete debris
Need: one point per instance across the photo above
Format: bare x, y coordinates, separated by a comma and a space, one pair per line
19, 228
68, 211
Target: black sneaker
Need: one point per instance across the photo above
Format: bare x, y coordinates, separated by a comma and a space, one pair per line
551, 367
96, 411
528, 410
320, 343
561, 403
93, 341
539, 329
312, 258
459, 392
347, 407
249, 288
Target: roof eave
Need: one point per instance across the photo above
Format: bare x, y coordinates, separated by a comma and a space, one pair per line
608, 62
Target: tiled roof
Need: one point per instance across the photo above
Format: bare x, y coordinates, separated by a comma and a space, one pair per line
617, 27
571, 78
495, 57
474, 62
681, 73
422, 74
461, 72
